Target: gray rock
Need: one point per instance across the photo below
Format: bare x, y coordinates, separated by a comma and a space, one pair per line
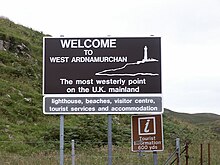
6, 45
2, 45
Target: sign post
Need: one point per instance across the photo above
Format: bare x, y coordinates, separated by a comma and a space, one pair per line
109, 139
61, 139
155, 158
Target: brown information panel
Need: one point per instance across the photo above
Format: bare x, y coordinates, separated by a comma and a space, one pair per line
147, 133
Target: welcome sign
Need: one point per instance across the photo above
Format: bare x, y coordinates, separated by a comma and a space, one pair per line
102, 75
102, 65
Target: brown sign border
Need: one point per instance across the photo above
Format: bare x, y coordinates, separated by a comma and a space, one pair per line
135, 135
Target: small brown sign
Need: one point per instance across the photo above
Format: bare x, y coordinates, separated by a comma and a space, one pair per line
147, 133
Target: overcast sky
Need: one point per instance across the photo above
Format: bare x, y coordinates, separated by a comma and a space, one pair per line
190, 31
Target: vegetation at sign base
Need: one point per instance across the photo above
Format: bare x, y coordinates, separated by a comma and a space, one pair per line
24, 129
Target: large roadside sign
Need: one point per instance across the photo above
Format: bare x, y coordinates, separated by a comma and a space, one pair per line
102, 65
147, 133
108, 68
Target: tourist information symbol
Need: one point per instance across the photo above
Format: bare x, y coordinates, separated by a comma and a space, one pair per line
147, 133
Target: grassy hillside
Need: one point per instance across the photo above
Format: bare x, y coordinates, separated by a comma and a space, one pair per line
207, 124
198, 118
20, 86
20, 70
24, 129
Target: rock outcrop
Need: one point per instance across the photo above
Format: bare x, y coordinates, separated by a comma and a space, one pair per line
18, 49
2, 45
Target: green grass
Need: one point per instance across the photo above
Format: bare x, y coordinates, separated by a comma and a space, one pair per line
199, 118
121, 155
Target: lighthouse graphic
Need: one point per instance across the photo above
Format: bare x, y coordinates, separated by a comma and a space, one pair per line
146, 58
145, 54
121, 71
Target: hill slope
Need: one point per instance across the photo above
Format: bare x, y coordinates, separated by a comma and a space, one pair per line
203, 121
23, 126
20, 84
20, 70
198, 118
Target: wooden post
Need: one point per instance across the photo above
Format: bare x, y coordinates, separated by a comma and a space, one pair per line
209, 154
187, 153
201, 160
